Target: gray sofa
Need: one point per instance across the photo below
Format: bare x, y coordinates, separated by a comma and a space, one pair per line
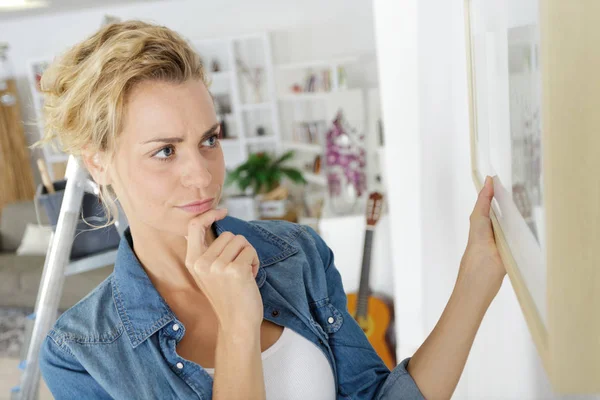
20, 275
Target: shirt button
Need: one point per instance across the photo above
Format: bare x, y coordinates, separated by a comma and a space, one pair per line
175, 327
330, 320
275, 313
320, 341
179, 365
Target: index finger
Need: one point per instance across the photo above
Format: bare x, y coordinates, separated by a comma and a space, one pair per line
196, 238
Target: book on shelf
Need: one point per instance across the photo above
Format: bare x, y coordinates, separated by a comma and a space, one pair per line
318, 82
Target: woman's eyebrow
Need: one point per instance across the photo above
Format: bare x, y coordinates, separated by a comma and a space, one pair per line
177, 139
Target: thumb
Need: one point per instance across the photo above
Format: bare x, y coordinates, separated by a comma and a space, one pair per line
484, 200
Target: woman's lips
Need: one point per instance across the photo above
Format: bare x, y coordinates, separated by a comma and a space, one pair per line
197, 207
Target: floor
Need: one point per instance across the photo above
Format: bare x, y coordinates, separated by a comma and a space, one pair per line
10, 376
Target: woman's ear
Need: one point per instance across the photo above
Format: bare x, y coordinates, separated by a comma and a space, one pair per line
96, 164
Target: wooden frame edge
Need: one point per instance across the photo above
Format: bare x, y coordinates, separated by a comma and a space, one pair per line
572, 190
534, 322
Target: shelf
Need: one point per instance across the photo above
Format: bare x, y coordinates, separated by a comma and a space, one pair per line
230, 142
305, 96
310, 121
261, 139
256, 106
308, 147
316, 64
316, 179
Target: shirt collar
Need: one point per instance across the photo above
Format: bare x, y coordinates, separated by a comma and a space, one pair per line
142, 309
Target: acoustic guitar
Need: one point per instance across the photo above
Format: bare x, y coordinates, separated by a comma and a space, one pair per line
374, 313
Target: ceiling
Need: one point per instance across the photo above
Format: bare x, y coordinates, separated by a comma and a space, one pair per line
65, 5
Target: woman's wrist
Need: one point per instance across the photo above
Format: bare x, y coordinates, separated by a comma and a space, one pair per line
233, 328
479, 286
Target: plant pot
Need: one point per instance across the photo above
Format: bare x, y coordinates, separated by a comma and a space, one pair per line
242, 207
272, 208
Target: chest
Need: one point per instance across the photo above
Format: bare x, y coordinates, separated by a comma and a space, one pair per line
200, 341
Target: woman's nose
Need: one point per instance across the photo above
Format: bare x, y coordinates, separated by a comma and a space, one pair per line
196, 173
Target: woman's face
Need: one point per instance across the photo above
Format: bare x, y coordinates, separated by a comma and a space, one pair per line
169, 165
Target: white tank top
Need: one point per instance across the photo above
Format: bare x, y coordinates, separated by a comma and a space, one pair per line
295, 369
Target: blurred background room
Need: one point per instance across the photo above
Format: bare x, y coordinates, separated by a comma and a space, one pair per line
321, 104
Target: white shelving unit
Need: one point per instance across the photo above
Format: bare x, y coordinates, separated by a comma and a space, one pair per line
313, 107
51, 156
333, 63
256, 106
306, 147
246, 114
273, 121
249, 114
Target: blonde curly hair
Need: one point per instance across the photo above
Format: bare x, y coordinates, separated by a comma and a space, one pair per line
85, 90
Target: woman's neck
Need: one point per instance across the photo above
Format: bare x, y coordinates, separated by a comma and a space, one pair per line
163, 255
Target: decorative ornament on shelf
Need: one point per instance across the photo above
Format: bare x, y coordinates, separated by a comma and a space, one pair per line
342, 78
222, 108
216, 66
296, 88
254, 77
317, 165
345, 161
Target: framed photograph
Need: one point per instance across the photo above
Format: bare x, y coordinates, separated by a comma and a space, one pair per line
534, 97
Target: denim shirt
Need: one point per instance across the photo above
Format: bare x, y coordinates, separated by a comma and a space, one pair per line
119, 341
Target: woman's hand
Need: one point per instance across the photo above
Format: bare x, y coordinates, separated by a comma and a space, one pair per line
481, 264
225, 273
437, 365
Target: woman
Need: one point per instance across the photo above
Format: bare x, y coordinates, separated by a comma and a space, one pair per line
201, 305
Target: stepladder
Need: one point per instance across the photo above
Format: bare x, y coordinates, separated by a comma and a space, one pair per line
57, 266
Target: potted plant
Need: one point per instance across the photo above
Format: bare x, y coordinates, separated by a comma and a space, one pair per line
261, 174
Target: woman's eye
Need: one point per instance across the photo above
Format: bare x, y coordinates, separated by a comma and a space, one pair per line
211, 141
165, 153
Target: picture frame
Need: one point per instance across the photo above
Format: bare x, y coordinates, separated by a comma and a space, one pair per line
534, 97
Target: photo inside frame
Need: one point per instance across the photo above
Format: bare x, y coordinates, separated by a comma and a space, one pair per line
506, 90
525, 127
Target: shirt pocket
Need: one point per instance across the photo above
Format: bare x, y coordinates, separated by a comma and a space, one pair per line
329, 318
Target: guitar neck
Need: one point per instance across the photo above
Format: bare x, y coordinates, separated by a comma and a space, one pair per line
364, 291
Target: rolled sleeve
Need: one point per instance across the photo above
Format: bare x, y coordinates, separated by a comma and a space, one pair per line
399, 385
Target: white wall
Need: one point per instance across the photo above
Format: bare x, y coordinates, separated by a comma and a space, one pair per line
397, 51
431, 118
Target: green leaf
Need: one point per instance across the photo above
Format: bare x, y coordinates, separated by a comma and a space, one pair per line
262, 179
275, 178
244, 183
263, 172
293, 174
257, 187
285, 157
